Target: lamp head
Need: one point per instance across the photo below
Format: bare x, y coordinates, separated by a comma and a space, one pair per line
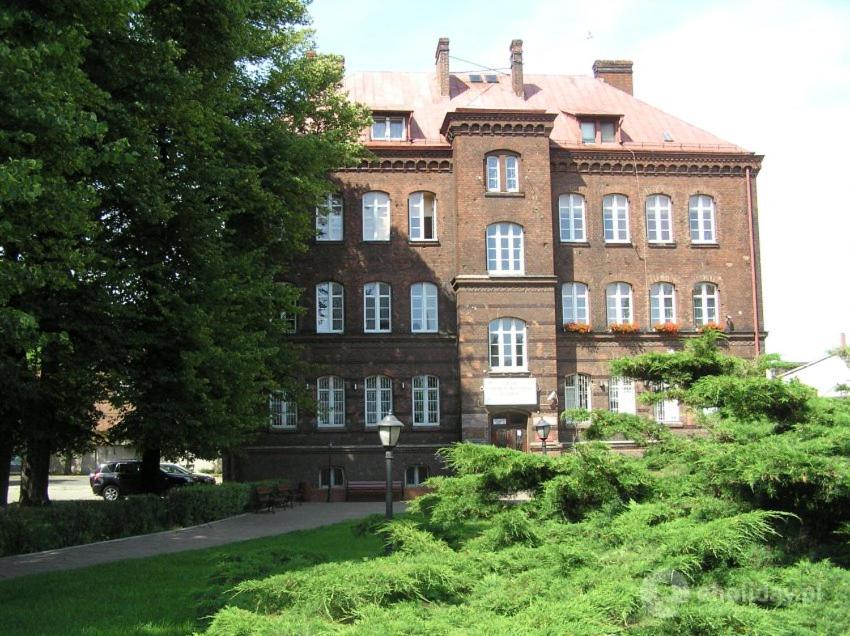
389, 429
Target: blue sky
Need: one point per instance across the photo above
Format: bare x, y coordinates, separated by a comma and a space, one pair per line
772, 76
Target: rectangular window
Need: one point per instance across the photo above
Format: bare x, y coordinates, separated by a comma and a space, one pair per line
511, 174
332, 477
388, 128
588, 132
493, 173
701, 219
283, 413
330, 394
379, 398
289, 322
571, 215
426, 400
329, 308
423, 308
574, 303
621, 395
606, 129
376, 216
376, 307
329, 219
658, 219
615, 218
577, 395
415, 475
422, 215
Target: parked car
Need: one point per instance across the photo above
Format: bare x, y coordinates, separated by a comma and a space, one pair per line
124, 477
176, 469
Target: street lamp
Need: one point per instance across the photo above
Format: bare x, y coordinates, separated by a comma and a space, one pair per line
389, 428
542, 427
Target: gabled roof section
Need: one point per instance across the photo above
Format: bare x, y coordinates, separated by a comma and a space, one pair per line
643, 127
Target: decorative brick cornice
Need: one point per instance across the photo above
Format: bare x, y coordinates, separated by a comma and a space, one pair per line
485, 283
527, 123
410, 158
655, 162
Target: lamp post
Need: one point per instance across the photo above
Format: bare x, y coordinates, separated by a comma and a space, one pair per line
542, 427
389, 428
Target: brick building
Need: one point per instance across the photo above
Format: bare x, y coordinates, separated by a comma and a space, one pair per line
504, 214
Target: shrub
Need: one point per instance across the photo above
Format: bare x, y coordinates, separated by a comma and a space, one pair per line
606, 425
202, 504
750, 398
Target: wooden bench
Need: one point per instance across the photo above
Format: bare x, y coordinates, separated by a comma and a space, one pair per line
372, 490
265, 499
284, 496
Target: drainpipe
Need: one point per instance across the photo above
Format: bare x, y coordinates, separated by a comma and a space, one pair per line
753, 280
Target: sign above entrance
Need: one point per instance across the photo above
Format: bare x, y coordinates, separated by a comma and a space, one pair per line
510, 391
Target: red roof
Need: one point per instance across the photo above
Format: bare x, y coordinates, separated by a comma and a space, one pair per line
567, 96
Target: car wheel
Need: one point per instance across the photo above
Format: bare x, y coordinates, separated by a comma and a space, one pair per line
110, 493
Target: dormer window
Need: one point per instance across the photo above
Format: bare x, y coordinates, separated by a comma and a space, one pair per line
389, 128
597, 130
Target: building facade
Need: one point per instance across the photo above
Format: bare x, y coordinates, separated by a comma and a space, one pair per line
512, 234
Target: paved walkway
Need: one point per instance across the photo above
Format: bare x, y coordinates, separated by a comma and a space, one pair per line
231, 530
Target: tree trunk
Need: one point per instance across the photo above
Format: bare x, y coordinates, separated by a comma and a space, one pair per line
151, 480
5, 460
35, 473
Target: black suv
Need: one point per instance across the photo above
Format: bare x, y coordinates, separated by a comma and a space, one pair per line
124, 477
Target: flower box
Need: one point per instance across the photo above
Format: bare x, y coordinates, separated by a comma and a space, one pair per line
666, 327
577, 327
711, 326
624, 327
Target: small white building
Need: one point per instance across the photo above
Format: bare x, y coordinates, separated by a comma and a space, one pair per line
823, 375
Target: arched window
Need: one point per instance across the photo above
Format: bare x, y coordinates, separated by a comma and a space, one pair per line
662, 304
376, 307
422, 216
701, 219
571, 214
615, 218
426, 400
423, 308
577, 390
507, 345
283, 412
379, 398
659, 223
330, 395
502, 172
376, 216
618, 298
505, 249
329, 219
706, 304
329, 308
574, 304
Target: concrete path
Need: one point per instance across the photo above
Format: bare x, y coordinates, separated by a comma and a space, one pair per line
231, 530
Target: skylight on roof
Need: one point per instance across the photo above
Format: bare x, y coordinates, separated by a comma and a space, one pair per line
475, 77
492, 78
668, 136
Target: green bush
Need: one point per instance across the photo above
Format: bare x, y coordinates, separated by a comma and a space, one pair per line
202, 504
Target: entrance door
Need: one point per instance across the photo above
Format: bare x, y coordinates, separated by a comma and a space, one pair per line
508, 430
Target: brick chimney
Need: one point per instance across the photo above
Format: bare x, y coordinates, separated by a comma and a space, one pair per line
617, 73
516, 68
442, 59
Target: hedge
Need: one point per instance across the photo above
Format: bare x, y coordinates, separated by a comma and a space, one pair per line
65, 523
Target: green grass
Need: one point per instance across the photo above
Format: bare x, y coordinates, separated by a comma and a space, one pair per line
169, 594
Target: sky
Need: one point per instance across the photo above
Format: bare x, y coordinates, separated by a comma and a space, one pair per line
772, 76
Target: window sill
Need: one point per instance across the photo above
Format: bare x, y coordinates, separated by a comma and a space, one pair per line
283, 429
505, 274
509, 195
330, 333
423, 333
576, 243
668, 245
431, 427
516, 372
329, 242
424, 242
329, 429
704, 246
378, 333
618, 244
377, 241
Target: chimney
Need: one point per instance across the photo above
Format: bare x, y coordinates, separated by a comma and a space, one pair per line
516, 68
442, 58
617, 73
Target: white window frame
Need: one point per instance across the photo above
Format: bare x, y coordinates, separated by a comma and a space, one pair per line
424, 310
615, 218
502, 172
378, 398
702, 219
619, 305
621, 395
386, 121
330, 397
331, 319
662, 304
511, 173
667, 412
494, 181
333, 472
376, 216
329, 226
587, 123
578, 391
508, 345
377, 307
703, 293
575, 303
571, 215
505, 249
659, 213
426, 400
421, 206
283, 412
417, 469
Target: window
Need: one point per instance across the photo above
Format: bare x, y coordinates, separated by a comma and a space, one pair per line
423, 308
379, 398
426, 400
571, 213
502, 173
415, 475
283, 412
504, 249
329, 312
588, 131
376, 308
662, 304
376, 216
577, 391
507, 345
621, 395
329, 219
388, 128
574, 303
615, 218
422, 216
607, 131
289, 322
332, 477
659, 228
594, 131
618, 298
667, 412
701, 217
706, 303
330, 394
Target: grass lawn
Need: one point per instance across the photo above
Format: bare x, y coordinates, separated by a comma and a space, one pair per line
167, 594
